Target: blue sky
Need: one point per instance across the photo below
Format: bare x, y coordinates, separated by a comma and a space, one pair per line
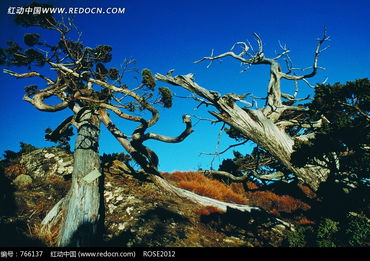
164, 34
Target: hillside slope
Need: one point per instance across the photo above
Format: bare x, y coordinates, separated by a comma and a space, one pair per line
137, 212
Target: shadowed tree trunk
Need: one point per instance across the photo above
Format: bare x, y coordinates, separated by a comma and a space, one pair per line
81, 205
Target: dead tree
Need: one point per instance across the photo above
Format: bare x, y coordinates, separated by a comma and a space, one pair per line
269, 127
77, 76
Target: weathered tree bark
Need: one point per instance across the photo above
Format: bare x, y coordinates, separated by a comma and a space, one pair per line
82, 203
266, 126
255, 125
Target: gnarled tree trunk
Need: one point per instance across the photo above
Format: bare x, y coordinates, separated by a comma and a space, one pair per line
266, 126
255, 125
82, 203
79, 211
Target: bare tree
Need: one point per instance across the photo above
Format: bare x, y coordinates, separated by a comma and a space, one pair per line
77, 77
277, 125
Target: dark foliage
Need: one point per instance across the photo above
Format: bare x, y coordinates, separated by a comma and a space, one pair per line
166, 97
107, 159
14, 55
148, 79
230, 166
343, 143
43, 20
347, 108
62, 139
234, 134
30, 88
31, 39
10, 157
113, 73
352, 231
256, 163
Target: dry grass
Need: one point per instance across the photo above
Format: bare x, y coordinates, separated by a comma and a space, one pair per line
304, 221
15, 170
58, 183
273, 202
274, 212
236, 193
251, 185
48, 235
198, 183
307, 191
208, 210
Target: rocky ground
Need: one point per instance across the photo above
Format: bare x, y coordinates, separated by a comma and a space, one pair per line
137, 212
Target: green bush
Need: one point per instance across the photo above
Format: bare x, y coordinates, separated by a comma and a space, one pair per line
299, 238
26, 148
354, 231
357, 230
325, 234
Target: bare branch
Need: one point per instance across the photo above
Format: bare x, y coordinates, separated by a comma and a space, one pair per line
275, 175
292, 97
295, 108
284, 52
288, 123
137, 97
112, 108
202, 101
244, 46
366, 115
225, 150
29, 74
188, 130
120, 136
315, 66
141, 154
232, 54
310, 125
38, 102
224, 174
205, 119
187, 82
305, 137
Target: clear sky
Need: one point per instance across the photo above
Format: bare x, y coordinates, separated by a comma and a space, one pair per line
172, 34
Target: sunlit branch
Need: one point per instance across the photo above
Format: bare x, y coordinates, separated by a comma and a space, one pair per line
29, 74
118, 112
188, 130
120, 136
137, 97
315, 66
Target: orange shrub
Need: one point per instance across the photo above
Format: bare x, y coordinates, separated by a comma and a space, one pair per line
269, 201
15, 170
274, 212
307, 191
205, 211
252, 186
305, 221
200, 184
235, 193
237, 188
